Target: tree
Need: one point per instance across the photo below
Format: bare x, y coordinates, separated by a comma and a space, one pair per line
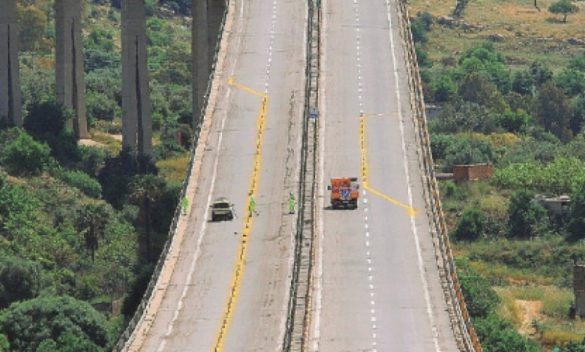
540, 72
472, 225
71, 324
571, 81
536, 5
515, 121
4, 344
144, 192
47, 122
523, 82
576, 221
92, 220
19, 280
487, 61
25, 156
554, 110
525, 215
468, 151
564, 7
117, 173
460, 7
444, 88
477, 88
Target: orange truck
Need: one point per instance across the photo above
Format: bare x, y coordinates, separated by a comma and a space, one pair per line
344, 192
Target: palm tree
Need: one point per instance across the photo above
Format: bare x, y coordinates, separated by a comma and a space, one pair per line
92, 222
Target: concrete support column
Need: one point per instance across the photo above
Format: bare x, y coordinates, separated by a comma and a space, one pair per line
10, 99
69, 64
200, 57
136, 109
215, 10
579, 289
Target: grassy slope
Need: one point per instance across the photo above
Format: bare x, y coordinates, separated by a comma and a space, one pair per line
536, 298
529, 35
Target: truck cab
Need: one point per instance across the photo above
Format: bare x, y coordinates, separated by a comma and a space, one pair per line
344, 192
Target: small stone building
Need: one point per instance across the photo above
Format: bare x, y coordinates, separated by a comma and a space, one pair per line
472, 172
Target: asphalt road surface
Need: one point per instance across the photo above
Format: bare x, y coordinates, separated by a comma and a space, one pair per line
229, 289
377, 286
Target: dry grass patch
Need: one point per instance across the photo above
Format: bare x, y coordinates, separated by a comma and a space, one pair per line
174, 169
112, 142
528, 35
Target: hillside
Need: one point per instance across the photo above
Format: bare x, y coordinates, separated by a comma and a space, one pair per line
506, 85
80, 225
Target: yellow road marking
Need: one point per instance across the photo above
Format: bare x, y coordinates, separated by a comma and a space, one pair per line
232, 82
248, 220
364, 167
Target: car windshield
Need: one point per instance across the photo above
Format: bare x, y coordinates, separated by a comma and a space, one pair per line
221, 205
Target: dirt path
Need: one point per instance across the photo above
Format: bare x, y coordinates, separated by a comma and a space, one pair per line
529, 311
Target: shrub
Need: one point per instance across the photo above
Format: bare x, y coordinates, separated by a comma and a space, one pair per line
444, 88
514, 121
556, 177
468, 151
4, 344
19, 280
92, 160
464, 117
571, 81
497, 335
523, 82
525, 215
480, 297
471, 226
440, 143
82, 181
25, 156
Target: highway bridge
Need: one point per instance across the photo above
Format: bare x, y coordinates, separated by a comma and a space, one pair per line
302, 92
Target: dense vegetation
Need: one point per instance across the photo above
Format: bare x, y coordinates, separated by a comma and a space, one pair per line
82, 224
524, 114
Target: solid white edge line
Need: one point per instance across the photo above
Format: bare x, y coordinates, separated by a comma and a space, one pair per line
407, 174
202, 231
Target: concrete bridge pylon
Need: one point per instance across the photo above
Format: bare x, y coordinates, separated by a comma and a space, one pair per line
200, 56
136, 108
69, 63
10, 96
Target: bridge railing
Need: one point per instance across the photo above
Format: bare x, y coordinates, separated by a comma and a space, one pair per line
140, 310
460, 319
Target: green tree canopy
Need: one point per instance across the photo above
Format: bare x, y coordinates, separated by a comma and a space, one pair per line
19, 280
563, 7
525, 216
554, 110
71, 324
471, 225
576, 225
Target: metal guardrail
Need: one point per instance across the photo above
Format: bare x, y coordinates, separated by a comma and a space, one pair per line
460, 319
297, 322
125, 336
